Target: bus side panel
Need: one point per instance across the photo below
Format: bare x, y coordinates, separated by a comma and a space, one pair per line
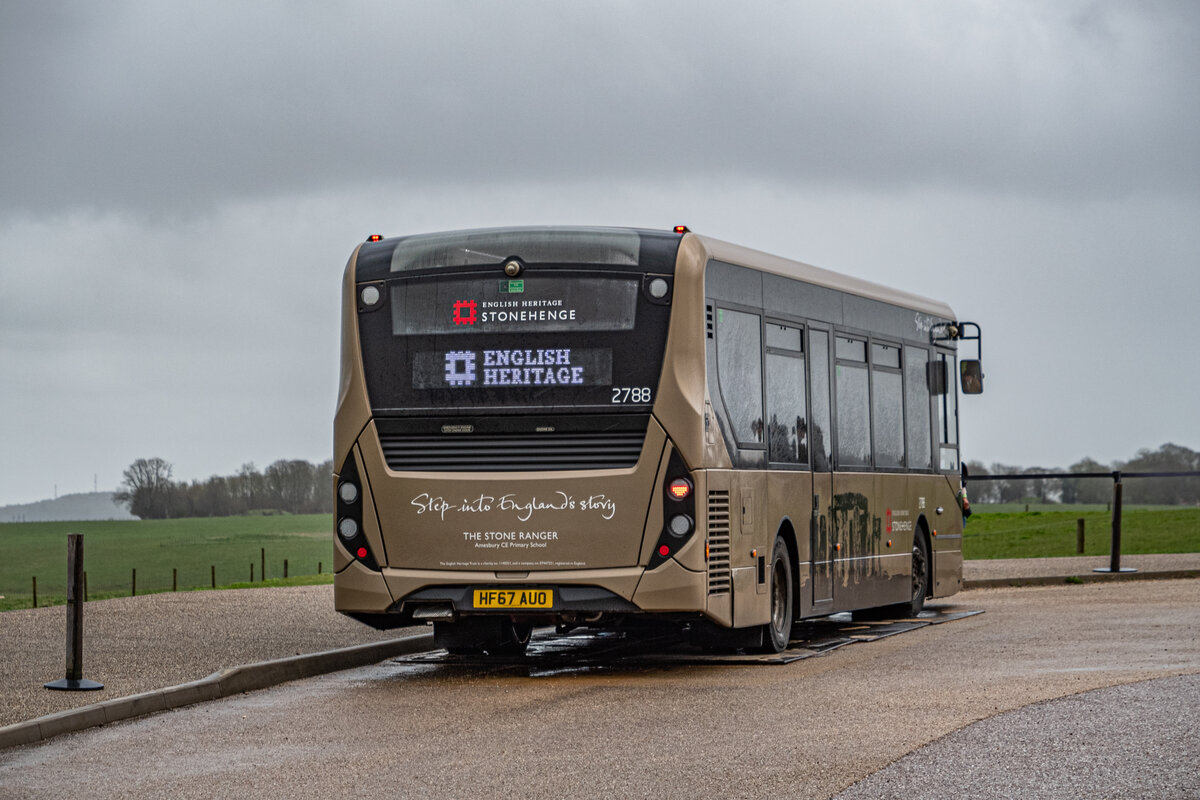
789, 500
753, 537
353, 410
891, 538
947, 544
855, 540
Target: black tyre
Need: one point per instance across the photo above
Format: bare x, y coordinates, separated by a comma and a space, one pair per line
778, 632
920, 574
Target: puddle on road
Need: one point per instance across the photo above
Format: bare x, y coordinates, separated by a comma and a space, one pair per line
552, 655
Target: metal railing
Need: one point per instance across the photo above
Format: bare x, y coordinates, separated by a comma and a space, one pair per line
1117, 477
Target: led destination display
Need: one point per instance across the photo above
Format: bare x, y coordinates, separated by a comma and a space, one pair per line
550, 304
564, 366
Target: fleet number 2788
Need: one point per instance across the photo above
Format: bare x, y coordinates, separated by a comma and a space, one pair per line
631, 394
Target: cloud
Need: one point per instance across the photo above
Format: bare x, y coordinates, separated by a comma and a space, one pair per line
157, 108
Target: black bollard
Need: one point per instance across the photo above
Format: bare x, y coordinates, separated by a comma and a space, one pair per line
74, 680
1114, 564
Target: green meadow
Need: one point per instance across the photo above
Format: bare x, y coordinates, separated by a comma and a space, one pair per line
1048, 531
235, 546
154, 548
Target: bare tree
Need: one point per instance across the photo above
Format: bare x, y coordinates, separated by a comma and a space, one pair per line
146, 488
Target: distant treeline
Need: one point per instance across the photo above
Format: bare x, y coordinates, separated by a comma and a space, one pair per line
294, 487
1149, 491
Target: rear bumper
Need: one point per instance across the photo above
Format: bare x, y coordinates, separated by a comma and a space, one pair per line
392, 595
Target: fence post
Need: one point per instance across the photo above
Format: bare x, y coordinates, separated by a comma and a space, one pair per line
133, 584
174, 579
263, 553
35, 591
285, 568
1079, 536
74, 680
213, 567
1114, 564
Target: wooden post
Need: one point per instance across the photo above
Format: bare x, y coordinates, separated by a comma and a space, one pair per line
285, 568
1079, 536
252, 572
35, 591
319, 565
133, 584
174, 579
263, 554
74, 679
214, 576
85, 592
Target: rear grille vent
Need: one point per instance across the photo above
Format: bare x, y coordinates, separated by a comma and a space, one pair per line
504, 452
718, 543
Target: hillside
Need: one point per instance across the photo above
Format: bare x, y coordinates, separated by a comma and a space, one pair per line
68, 508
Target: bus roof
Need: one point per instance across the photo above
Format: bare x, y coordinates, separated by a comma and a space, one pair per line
756, 259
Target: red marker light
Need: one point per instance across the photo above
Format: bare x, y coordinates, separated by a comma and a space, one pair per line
680, 488
374, 237
682, 229
362, 552
664, 551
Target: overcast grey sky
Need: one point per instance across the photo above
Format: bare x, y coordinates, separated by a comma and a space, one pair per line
182, 183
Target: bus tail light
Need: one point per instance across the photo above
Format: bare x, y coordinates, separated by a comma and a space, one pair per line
349, 514
679, 488
679, 511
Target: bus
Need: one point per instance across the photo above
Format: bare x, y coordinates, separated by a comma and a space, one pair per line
600, 426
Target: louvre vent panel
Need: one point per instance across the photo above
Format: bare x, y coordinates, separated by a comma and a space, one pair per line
719, 576
508, 452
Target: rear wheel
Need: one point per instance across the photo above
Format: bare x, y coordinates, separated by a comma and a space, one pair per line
778, 632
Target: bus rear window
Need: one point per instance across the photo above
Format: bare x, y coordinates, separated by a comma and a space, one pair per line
532, 246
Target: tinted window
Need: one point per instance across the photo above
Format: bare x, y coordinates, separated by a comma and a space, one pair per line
784, 337
851, 349
739, 369
916, 399
787, 425
887, 415
885, 355
948, 417
821, 443
853, 416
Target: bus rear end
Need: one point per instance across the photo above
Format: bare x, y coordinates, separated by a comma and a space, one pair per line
498, 460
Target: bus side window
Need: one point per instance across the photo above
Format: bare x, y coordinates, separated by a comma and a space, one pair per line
917, 409
822, 443
739, 373
948, 414
852, 388
787, 422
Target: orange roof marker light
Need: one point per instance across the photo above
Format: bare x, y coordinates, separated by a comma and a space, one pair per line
375, 237
681, 229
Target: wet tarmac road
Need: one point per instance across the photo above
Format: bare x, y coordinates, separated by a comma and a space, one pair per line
642, 726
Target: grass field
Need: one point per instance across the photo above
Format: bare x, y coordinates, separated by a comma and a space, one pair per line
1042, 534
113, 550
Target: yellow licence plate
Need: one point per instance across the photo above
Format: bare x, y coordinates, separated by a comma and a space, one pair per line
514, 598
